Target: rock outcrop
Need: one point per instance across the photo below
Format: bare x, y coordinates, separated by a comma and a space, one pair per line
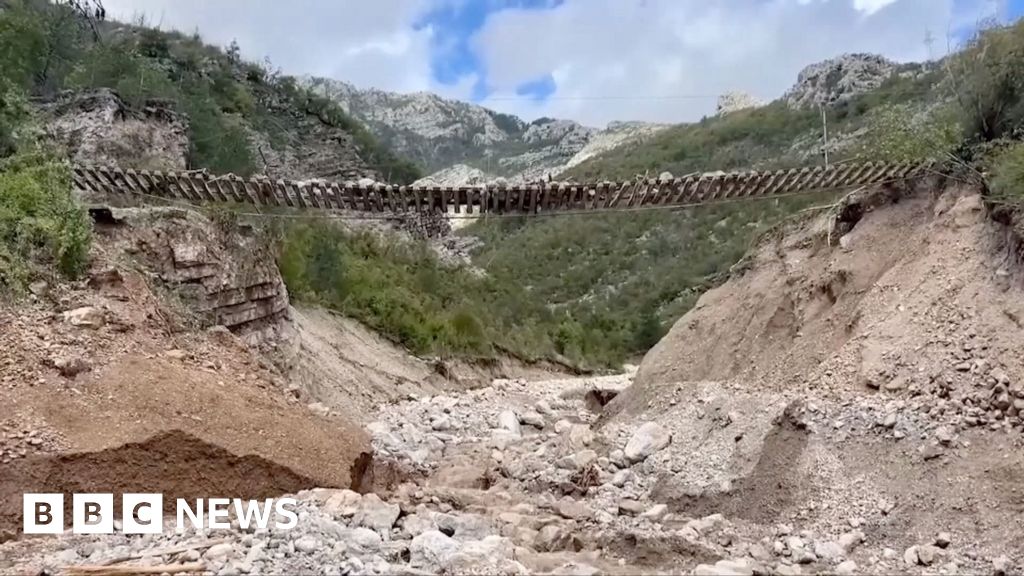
311, 149
839, 79
440, 134
99, 128
615, 135
221, 274
733, 101
457, 175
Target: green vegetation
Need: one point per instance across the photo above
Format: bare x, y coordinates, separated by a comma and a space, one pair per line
43, 230
593, 291
400, 288
602, 289
987, 78
988, 81
1007, 179
42, 227
777, 136
623, 278
741, 140
898, 133
46, 47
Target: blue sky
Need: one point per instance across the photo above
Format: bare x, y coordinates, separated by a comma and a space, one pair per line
452, 56
1015, 9
588, 60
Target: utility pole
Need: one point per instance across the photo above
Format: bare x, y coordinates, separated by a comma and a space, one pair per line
824, 132
929, 42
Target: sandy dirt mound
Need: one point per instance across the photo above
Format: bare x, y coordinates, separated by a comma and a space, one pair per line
343, 365
865, 370
173, 463
888, 306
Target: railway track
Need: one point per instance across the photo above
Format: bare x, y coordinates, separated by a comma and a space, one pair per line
696, 189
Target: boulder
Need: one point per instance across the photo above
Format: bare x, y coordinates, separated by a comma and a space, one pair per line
432, 551
342, 503
364, 539
376, 514
725, 568
86, 317
648, 439
71, 366
508, 420
553, 538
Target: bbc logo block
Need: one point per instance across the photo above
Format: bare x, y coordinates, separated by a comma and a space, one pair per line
43, 513
144, 513
92, 513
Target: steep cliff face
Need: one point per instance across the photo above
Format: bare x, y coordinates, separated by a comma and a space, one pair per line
302, 146
220, 274
439, 133
434, 132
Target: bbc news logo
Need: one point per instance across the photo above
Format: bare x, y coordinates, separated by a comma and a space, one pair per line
144, 513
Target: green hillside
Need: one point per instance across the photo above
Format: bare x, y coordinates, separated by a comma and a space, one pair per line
47, 48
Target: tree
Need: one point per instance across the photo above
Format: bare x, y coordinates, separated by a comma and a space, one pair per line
66, 23
988, 81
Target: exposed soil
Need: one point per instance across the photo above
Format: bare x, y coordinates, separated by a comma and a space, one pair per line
85, 404
338, 362
851, 403
173, 463
894, 324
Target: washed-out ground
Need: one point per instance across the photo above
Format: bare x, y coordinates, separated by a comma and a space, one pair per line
848, 405
525, 477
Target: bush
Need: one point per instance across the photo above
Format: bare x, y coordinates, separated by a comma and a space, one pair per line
899, 133
41, 224
1007, 180
14, 117
399, 288
988, 80
119, 66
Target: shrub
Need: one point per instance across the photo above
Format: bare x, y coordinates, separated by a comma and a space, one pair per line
898, 133
41, 224
118, 65
399, 288
14, 117
1007, 180
988, 80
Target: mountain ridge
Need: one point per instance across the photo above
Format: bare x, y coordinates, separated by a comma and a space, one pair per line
440, 133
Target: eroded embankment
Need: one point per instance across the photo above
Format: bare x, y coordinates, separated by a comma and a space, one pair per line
175, 464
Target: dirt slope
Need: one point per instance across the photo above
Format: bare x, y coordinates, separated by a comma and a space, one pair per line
913, 276
117, 359
871, 376
339, 363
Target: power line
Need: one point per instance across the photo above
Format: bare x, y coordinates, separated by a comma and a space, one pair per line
632, 97
609, 97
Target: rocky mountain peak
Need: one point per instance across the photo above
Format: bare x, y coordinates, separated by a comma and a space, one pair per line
838, 79
733, 101
459, 141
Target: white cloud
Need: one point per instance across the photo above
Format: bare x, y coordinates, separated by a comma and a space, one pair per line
656, 60
667, 60
369, 43
871, 6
